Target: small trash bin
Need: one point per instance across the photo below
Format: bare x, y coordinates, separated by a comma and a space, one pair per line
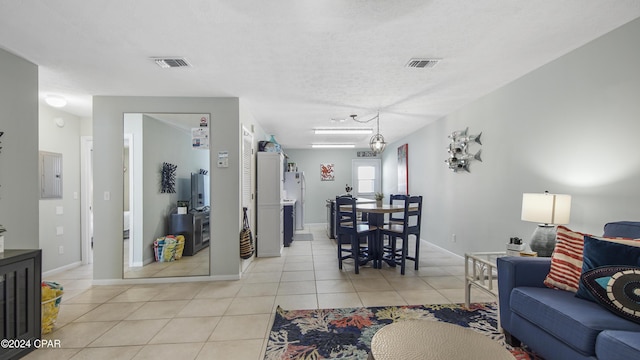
51, 298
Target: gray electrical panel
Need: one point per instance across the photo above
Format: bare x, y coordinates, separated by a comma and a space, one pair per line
50, 175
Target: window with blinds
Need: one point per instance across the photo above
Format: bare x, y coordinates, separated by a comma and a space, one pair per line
367, 179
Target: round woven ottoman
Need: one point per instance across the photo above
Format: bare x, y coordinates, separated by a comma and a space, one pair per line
433, 340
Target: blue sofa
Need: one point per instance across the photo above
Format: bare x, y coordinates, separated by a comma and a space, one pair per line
556, 324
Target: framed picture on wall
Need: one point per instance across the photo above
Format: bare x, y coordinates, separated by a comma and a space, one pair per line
326, 172
403, 169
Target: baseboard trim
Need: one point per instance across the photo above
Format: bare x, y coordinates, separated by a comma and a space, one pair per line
74, 264
180, 279
443, 249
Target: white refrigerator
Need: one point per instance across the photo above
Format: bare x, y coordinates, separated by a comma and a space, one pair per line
294, 187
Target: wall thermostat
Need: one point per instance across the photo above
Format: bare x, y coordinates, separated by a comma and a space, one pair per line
223, 159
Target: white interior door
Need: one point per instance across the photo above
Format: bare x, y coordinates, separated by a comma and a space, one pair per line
247, 178
86, 196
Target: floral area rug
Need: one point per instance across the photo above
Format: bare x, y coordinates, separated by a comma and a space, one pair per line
346, 333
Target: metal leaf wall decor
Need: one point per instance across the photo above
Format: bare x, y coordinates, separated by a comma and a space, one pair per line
459, 154
168, 178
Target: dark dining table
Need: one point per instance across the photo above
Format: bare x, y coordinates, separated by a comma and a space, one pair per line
375, 215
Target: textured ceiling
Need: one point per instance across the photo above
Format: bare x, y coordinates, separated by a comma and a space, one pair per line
298, 64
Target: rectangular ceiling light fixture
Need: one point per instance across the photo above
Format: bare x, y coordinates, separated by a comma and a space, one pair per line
332, 146
343, 131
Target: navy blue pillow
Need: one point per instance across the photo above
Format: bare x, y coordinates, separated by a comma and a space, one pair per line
599, 253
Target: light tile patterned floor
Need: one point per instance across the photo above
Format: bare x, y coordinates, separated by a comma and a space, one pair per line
231, 319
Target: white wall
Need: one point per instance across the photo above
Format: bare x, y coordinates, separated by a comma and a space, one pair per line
66, 141
19, 194
309, 160
225, 182
86, 126
569, 127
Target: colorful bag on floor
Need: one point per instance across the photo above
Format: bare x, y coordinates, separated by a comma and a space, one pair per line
51, 298
179, 246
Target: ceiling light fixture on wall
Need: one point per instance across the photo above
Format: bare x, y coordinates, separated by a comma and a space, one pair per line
332, 146
343, 131
55, 101
377, 143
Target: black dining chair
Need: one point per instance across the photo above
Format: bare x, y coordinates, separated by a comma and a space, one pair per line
410, 225
396, 199
348, 227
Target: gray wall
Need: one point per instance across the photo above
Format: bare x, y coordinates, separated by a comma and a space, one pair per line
19, 194
569, 127
309, 160
225, 182
66, 141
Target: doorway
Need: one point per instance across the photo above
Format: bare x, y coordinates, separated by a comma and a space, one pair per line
86, 198
247, 182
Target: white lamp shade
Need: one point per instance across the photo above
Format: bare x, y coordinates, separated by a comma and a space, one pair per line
546, 208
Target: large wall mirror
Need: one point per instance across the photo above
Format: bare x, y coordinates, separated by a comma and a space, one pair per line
166, 192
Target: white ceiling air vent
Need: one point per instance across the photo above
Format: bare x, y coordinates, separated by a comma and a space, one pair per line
422, 63
172, 62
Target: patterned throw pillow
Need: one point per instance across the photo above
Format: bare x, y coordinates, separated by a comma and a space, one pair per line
566, 260
617, 288
598, 253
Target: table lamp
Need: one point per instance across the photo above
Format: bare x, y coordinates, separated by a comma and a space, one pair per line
548, 210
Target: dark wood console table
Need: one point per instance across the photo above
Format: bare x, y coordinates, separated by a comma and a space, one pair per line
195, 228
20, 288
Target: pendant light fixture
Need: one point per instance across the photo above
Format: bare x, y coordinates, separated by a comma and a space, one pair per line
377, 143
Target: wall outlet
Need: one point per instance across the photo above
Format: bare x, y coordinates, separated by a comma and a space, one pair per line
59, 230
59, 210
60, 250
453, 237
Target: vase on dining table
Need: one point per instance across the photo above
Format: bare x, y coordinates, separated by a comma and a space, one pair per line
379, 196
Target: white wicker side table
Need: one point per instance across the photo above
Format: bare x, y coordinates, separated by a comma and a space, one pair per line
480, 271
